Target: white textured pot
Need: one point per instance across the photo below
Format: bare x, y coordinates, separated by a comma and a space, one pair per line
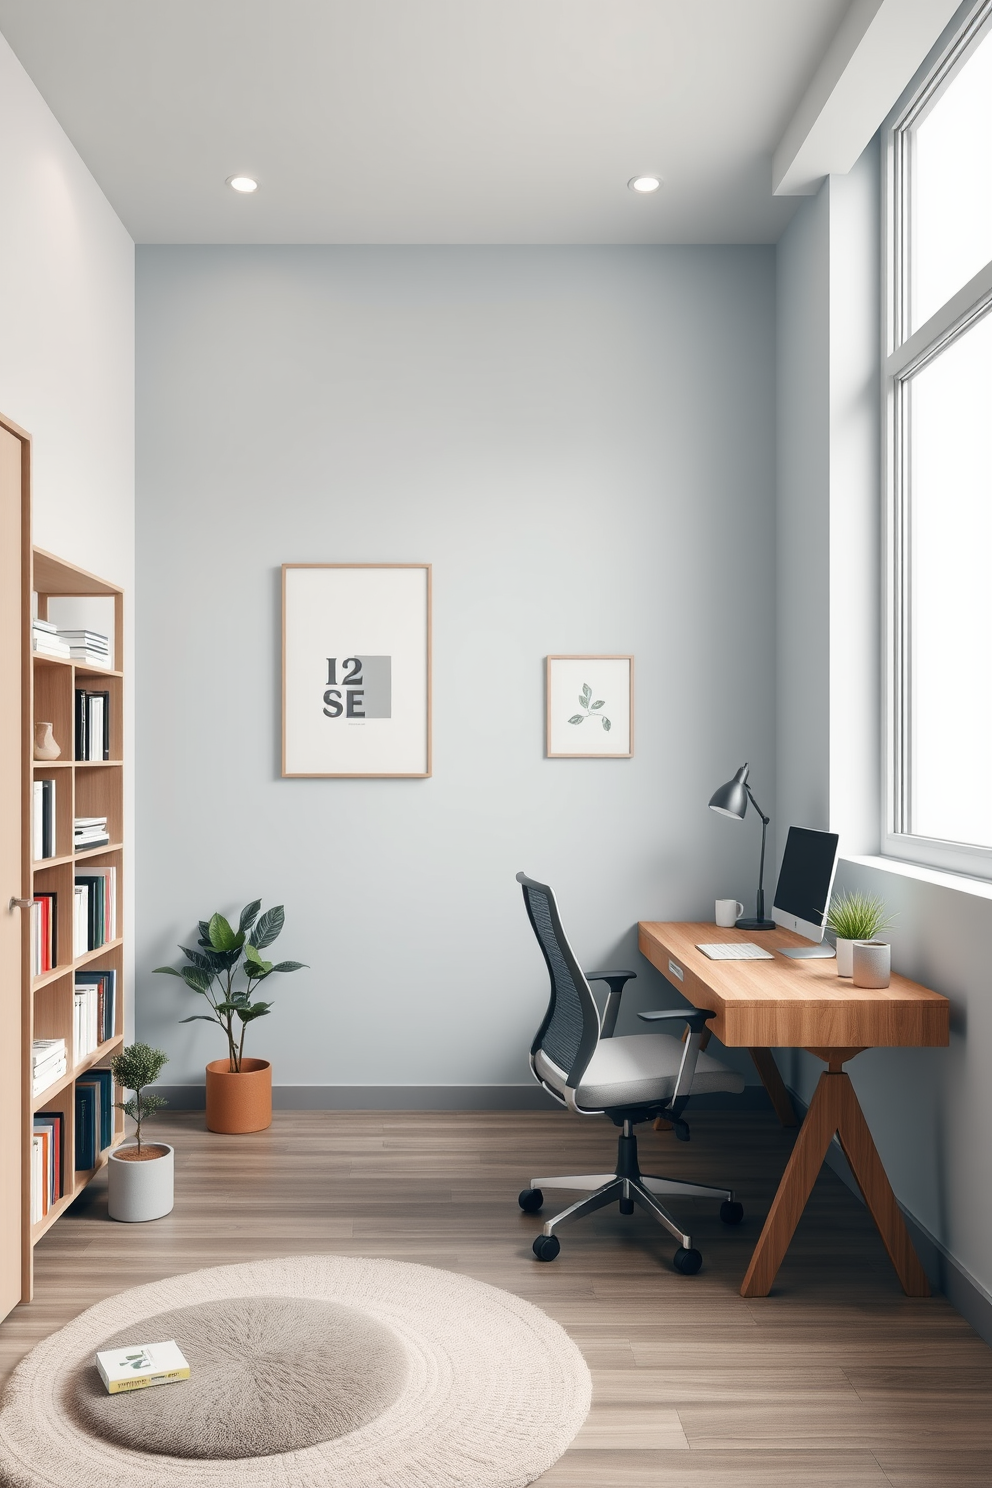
845, 962
872, 963
141, 1190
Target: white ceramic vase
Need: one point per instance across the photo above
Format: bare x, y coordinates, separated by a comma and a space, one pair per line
872, 960
141, 1190
845, 963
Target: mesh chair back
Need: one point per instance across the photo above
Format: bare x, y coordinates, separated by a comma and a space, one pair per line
571, 1027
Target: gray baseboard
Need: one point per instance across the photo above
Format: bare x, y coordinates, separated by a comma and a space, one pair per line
945, 1274
433, 1098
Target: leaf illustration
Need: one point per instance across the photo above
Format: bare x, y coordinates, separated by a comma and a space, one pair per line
586, 694
594, 706
576, 718
607, 725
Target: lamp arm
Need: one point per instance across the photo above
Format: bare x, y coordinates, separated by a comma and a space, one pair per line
759, 907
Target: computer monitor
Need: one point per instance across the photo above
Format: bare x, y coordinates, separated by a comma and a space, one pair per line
804, 884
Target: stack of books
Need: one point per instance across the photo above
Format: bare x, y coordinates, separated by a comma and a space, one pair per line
94, 905
94, 1010
46, 641
44, 938
94, 1116
48, 1063
43, 819
87, 647
47, 1143
92, 725
89, 831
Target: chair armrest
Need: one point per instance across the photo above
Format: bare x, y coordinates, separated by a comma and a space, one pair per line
693, 1017
616, 980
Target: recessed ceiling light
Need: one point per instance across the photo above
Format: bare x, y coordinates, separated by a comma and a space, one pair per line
242, 183
644, 184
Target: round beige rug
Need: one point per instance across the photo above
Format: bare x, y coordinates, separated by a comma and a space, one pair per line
305, 1372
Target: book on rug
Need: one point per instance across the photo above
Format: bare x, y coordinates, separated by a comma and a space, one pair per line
141, 1365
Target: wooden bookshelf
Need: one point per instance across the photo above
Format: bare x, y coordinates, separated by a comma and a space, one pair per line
83, 788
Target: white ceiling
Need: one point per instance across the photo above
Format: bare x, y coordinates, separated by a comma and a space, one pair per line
429, 121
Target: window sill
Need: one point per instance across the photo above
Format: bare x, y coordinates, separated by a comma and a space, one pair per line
979, 888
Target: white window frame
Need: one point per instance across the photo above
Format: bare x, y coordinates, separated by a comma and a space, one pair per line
905, 352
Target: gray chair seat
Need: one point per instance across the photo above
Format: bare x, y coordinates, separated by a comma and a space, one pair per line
638, 1069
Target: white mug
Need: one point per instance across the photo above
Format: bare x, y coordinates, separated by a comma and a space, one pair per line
728, 912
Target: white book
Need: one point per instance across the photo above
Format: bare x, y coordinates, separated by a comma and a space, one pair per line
36, 1176
96, 728
78, 1003
80, 919
41, 1048
46, 625
42, 1081
43, 1066
92, 1031
141, 1365
89, 821
38, 820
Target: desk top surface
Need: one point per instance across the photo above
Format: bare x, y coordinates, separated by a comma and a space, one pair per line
784, 1003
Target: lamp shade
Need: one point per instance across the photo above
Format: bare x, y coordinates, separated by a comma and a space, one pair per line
731, 799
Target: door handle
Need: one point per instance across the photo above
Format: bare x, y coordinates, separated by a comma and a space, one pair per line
20, 904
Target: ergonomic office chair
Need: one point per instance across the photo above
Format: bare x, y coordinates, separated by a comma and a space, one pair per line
630, 1079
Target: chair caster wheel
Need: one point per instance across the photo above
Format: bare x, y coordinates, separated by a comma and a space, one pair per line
731, 1212
687, 1262
530, 1200
626, 1206
546, 1247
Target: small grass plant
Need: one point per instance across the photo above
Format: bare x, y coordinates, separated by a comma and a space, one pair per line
858, 916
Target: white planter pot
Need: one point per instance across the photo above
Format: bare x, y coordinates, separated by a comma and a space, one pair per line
845, 962
872, 963
141, 1190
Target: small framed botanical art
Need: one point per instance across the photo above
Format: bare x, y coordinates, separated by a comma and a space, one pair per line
590, 707
356, 669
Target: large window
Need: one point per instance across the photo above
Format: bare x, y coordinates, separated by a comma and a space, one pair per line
939, 404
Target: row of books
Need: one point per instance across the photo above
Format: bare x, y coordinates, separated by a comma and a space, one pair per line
94, 909
92, 724
48, 1063
43, 820
89, 832
86, 647
94, 918
44, 932
94, 1116
47, 1147
94, 1007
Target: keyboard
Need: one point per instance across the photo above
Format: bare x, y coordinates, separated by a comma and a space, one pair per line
736, 950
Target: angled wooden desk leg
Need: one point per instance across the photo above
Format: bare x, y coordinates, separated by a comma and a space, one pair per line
764, 1063
834, 1108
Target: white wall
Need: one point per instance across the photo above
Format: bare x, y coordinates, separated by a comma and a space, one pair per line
929, 1109
580, 441
67, 348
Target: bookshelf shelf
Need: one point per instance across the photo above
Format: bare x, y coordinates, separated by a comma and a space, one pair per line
83, 788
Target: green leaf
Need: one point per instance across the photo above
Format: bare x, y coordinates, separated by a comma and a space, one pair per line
198, 959
167, 970
204, 932
229, 1007
249, 915
607, 725
198, 980
576, 718
256, 1010
268, 927
593, 706
586, 694
290, 966
200, 1018
222, 937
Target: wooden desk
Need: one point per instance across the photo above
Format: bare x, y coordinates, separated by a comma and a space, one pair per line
804, 1004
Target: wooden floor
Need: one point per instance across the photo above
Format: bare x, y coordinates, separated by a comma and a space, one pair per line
834, 1381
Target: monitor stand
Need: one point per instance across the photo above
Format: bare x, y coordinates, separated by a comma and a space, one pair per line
822, 952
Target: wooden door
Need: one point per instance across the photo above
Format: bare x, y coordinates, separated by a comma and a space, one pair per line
11, 863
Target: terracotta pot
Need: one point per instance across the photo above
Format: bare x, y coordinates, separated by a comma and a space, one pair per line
241, 1102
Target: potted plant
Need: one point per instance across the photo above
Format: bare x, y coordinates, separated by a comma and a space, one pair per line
141, 1176
239, 1089
855, 916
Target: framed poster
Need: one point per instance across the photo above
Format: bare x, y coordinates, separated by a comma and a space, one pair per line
590, 707
356, 669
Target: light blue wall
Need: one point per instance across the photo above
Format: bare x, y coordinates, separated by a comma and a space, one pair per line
581, 442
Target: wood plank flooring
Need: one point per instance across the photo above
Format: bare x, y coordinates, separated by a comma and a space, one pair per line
836, 1380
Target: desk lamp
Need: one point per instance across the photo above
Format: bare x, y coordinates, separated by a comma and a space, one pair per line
731, 800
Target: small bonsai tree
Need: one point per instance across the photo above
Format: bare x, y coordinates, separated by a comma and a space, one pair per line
223, 954
858, 916
133, 1069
